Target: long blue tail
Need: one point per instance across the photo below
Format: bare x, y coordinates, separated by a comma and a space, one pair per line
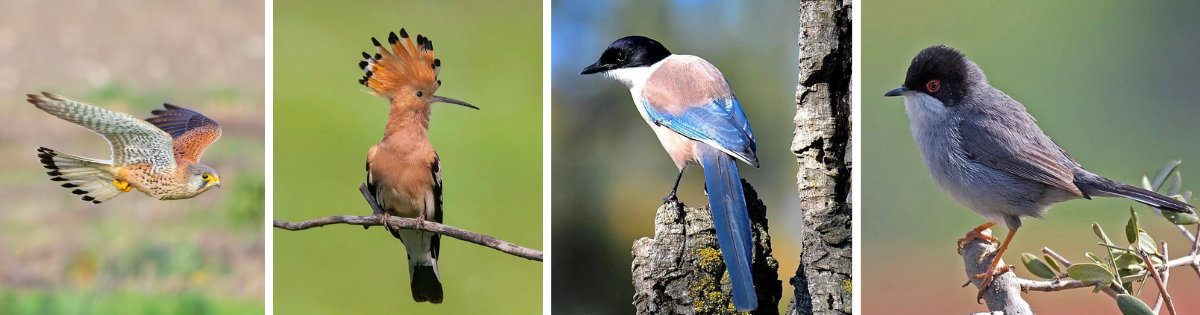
732, 221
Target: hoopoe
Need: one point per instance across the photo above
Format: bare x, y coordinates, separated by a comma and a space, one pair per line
403, 170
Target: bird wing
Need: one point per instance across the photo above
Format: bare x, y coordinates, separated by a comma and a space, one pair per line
191, 131
133, 141
690, 96
1033, 156
436, 168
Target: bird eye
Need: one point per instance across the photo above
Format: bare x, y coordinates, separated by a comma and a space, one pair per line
204, 176
620, 56
419, 94
933, 86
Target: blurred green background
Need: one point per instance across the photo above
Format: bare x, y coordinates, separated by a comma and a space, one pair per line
610, 172
1114, 83
133, 254
491, 158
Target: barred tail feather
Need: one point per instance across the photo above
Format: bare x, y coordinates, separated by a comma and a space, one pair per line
84, 176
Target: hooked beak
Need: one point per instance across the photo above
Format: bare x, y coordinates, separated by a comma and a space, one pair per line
217, 181
439, 99
594, 68
900, 91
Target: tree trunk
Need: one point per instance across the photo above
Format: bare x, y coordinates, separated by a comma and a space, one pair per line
680, 270
822, 149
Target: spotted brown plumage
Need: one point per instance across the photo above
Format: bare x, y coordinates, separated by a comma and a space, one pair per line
160, 162
404, 170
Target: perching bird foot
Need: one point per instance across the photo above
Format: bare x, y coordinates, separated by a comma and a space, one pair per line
671, 198
384, 218
122, 185
420, 222
977, 233
987, 279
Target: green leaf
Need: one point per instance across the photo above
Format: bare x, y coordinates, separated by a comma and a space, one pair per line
1053, 264
1132, 277
1037, 267
1128, 261
1130, 305
1090, 273
1100, 233
1093, 257
1181, 218
1162, 174
1174, 190
1115, 247
1146, 183
1131, 228
1146, 244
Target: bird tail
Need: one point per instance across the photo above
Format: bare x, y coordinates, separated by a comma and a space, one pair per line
732, 221
423, 276
406, 63
425, 284
87, 177
1094, 185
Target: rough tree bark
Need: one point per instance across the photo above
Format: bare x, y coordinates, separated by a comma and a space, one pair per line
680, 270
822, 149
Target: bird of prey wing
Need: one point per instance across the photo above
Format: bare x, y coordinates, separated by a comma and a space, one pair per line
192, 131
133, 141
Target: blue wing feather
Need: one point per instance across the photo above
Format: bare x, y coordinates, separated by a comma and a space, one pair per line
719, 122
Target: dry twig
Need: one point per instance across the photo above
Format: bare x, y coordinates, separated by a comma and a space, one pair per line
394, 222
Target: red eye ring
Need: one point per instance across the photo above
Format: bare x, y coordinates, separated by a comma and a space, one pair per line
933, 86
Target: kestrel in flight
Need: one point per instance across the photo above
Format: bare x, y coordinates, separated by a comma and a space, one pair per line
403, 170
157, 156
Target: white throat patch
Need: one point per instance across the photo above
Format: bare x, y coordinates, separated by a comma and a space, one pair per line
923, 109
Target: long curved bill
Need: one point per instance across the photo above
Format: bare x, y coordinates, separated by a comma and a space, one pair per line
439, 99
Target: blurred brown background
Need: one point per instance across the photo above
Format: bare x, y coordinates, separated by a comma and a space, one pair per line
134, 253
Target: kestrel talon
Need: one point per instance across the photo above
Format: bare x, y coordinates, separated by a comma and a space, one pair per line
158, 156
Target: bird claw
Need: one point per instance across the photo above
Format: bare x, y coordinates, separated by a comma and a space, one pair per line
671, 198
384, 219
122, 185
976, 233
988, 277
420, 222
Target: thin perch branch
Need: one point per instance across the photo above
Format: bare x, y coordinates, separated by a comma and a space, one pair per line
394, 222
1166, 276
1005, 291
1162, 285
